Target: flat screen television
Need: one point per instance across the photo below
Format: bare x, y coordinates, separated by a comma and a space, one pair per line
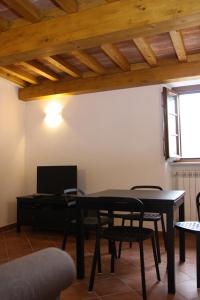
55, 179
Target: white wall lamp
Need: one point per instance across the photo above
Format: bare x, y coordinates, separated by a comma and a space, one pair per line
53, 116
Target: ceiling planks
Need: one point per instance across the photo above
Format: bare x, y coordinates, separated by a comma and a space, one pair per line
83, 46
113, 52
89, 61
70, 6
25, 9
40, 69
63, 66
156, 75
178, 44
119, 20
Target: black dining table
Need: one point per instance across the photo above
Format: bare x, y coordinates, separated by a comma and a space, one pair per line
165, 201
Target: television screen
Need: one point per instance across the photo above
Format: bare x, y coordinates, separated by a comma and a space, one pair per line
55, 179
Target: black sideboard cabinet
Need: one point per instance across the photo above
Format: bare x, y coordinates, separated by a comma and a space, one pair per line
41, 212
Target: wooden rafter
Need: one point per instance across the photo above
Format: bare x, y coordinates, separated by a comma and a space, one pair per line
148, 76
40, 69
178, 44
61, 65
25, 9
119, 20
113, 52
6, 75
146, 51
14, 71
70, 6
89, 61
3, 24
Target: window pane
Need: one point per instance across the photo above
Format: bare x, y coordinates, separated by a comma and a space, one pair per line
173, 146
171, 104
190, 125
172, 124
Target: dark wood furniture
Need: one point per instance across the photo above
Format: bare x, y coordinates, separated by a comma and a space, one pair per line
194, 228
41, 212
149, 217
115, 233
90, 221
154, 201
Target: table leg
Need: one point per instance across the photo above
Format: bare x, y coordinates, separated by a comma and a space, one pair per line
170, 251
80, 265
181, 234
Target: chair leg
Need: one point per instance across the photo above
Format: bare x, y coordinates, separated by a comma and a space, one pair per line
112, 265
144, 293
157, 241
94, 263
164, 232
131, 224
155, 256
99, 259
198, 259
120, 243
65, 239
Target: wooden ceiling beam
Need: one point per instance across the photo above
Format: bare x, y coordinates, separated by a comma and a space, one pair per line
156, 75
63, 66
25, 9
15, 71
70, 6
89, 61
119, 20
146, 51
4, 24
6, 75
178, 44
40, 69
118, 58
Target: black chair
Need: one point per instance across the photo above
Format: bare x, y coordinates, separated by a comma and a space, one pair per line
90, 219
151, 217
194, 228
121, 233
198, 205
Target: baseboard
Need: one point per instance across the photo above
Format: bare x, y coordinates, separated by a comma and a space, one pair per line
8, 227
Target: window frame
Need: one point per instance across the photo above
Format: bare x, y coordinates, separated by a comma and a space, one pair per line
167, 94
182, 90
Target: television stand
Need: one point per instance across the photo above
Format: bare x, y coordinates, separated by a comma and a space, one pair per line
41, 212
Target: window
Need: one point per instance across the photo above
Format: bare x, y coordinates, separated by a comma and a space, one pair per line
181, 123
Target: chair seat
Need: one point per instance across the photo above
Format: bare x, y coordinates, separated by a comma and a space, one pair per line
146, 217
192, 227
126, 234
93, 221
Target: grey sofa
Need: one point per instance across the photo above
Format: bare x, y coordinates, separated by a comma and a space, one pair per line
38, 276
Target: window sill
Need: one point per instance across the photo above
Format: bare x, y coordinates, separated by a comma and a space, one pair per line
185, 163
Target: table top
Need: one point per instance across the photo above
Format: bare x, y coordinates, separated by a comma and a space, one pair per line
164, 197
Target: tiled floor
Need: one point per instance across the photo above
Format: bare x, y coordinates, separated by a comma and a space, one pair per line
125, 284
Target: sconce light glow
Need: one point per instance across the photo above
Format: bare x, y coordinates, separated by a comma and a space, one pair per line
53, 114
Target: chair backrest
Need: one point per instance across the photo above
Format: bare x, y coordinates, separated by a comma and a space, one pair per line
73, 191
198, 205
147, 187
111, 204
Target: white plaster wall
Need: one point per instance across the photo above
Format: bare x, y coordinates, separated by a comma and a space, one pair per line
12, 136
114, 137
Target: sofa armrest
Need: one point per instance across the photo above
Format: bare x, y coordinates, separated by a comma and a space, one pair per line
38, 276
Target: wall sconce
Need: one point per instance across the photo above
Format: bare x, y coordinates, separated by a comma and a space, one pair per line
53, 116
